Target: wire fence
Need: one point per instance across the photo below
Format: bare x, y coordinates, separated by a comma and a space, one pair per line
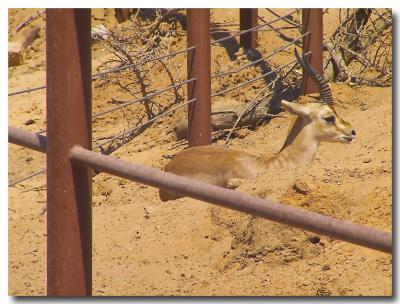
147, 97
254, 79
114, 70
26, 178
253, 28
128, 66
157, 92
254, 62
145, 124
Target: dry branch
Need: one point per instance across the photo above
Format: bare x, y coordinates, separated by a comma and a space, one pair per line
29, 20
359, 38
142, 47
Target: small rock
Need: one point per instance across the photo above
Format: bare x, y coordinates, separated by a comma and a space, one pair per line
363, 107
301, 187
100, 33
42, 211
148, 210
15, 54
249, 96
251, 254
168, 156
367, 160
323, 292
146, 262
243, 133
326, 267
314, 239
216, 238
29, 122
168, 271
28, 159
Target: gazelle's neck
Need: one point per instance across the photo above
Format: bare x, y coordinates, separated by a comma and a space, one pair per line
299, 148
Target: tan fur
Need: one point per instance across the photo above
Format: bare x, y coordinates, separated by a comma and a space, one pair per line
218, 165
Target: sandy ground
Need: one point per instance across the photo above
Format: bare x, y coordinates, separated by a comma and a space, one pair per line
142, 246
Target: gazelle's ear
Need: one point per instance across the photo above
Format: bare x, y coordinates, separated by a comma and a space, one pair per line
295, 108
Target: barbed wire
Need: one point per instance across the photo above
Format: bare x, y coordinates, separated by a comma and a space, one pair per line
144, 124
292, 22
260, 59
26, 91
112, 139
127, 103
26, 177
148, 96
113, 70
256, 78
256, 100
254, 28
157, 92
258, 30
144, 62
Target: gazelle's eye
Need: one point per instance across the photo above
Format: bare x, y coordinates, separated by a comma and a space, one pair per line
330, 119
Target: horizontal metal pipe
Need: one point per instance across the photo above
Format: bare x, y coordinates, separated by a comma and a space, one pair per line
27, 139
311, 221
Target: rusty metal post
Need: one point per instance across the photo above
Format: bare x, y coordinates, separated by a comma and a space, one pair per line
122, 14
199, 67
69, 238
248, 19
312, 22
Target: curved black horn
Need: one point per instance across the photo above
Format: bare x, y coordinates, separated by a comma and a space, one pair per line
324, 89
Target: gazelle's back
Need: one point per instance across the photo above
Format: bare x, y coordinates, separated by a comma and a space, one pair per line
211, 164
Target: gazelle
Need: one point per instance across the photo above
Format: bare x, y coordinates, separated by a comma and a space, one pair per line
315, 122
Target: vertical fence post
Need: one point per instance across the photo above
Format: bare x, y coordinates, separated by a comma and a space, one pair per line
312, 22
248, 19
69, 242
122, 14
199, 67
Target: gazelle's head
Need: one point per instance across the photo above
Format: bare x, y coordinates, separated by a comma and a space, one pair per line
324, 123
